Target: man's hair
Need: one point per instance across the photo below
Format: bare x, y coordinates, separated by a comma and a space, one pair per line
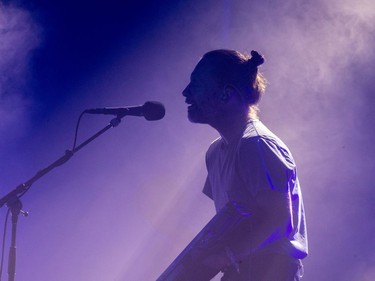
240, 70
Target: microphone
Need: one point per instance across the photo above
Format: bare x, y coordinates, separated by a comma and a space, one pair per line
151, 111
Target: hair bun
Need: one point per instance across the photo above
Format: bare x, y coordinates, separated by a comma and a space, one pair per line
256, 59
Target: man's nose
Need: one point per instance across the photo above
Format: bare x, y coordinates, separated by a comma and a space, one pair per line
186, 91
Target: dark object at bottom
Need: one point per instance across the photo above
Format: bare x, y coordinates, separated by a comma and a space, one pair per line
211, 240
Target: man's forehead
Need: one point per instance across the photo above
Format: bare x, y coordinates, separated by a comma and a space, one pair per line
202, 69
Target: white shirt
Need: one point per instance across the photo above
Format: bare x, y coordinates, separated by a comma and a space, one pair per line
256, 161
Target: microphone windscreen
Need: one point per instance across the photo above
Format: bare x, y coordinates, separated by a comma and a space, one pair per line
153, 110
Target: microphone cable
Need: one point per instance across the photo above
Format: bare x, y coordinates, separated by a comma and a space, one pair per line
76, 132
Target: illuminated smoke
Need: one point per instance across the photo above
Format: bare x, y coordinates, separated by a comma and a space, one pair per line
19, 35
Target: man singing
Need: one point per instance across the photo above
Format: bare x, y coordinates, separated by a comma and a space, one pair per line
250, 166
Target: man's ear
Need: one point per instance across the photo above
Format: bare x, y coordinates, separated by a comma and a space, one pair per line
228, 92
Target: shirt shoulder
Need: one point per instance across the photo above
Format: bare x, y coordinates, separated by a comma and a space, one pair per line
264, 159
258, 136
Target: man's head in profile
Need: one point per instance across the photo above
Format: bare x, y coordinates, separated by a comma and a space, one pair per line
223, 85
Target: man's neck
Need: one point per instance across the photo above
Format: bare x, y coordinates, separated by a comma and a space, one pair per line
231, 128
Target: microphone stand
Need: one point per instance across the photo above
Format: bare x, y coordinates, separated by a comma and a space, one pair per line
12, 199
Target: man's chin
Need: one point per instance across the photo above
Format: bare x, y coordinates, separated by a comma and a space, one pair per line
196, 119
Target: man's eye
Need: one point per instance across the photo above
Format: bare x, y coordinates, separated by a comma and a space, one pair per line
195, 86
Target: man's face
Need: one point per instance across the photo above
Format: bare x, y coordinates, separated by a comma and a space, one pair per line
202, 94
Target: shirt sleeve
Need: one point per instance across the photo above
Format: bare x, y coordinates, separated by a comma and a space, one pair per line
265, 165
